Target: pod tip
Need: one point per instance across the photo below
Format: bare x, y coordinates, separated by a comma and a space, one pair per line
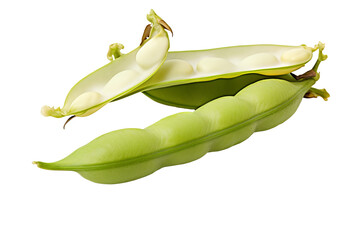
45, 111
51, 111
152, 17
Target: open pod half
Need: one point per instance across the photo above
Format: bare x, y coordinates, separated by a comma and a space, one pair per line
196, 94
120, 76
228, 62
202, 67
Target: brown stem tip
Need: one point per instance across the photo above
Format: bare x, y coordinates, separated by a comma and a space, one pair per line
309, 74
146, 33
166, 26
68, 120
310, 94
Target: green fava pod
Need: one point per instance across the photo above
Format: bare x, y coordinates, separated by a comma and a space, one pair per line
196, 94
189, 79
120, 76
129, 154
228, 62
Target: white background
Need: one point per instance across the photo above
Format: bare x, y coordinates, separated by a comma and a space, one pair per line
300, 180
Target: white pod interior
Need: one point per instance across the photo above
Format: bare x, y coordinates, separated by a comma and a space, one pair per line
228, 62
117, 78
126, 73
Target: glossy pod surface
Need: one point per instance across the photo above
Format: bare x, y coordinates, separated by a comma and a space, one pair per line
118, 77
194, 95
129, 154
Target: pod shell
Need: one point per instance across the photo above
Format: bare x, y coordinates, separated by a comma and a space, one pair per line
160, 80
194, 95
129, 154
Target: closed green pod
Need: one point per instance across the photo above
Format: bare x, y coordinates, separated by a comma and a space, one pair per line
129, 154
194, 95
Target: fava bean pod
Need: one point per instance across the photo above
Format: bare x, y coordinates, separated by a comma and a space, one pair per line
145, 68
129, 154
241, 65
194, 95
119, 76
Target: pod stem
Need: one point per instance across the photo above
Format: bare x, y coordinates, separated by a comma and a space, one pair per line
157, 22
157, 25
68, 120
307, 75
313, 73
321, 57
114, 51
51, 111
146, 33
315, 92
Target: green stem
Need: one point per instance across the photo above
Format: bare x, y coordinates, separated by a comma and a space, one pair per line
315, 92
321, 57
114, 51
313, 73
